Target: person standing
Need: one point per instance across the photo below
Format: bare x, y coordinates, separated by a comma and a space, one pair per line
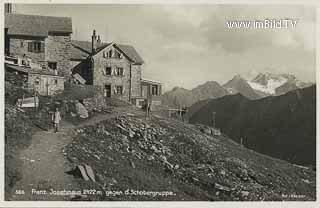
147, 108
56, 118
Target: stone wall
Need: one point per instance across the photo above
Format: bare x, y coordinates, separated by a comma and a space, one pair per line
58, 49
136, 81
99, 78
19, 47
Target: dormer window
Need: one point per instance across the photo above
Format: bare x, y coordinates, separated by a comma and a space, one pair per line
117, 54
107, 54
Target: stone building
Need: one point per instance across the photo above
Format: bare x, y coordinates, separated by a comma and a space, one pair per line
117, 68
39, 45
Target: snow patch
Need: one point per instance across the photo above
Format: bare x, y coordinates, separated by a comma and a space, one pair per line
270, 87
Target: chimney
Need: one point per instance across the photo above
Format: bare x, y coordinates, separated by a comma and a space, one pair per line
8, 8
94, 41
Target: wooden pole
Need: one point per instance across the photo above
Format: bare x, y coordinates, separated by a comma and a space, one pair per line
214, 119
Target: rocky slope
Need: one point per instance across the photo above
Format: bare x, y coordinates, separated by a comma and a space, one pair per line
240, 85
179, 97
163, 159
281, 126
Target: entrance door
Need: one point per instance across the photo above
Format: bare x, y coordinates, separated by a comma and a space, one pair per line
107, 90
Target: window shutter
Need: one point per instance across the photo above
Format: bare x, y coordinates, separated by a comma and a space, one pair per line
104, 54
104, 71
41, 47
113, 71
123, 89
115, 90
123, 71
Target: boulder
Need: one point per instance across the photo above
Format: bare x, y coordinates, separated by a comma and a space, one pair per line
90, 172
83, 172
81, 110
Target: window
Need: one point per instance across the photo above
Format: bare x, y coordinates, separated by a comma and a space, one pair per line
21, 44
119, 71
107, 54
119, 90
154, 90
108, 71
36, 47
52, 65
117, 54
56, 82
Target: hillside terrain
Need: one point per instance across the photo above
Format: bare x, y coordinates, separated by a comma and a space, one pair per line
281, 126
161, 155
136, 158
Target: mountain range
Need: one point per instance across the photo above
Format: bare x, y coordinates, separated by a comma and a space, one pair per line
263, 85
280, 126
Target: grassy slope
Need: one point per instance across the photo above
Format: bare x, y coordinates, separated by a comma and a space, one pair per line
282, 126
166, 155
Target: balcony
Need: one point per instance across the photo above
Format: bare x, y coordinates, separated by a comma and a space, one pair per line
23, 62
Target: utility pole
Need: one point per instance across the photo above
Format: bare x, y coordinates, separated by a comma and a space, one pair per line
214, 119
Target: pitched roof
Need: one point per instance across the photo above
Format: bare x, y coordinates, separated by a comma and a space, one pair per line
131, 52
82, 49
36, 25
149, 81
29, 70
79, 78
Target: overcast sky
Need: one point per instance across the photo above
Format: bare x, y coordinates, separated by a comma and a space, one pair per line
187, 45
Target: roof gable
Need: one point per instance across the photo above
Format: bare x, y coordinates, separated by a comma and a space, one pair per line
36, 25
131, 52
82, 48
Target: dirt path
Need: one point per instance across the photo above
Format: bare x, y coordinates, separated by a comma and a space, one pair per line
44, 164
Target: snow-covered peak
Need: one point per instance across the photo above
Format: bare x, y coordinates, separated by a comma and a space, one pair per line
269, 82
270, 87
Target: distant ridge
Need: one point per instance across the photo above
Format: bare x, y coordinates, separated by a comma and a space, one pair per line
280, 126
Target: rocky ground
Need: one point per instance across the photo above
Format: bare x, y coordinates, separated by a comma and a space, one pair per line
134, 158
